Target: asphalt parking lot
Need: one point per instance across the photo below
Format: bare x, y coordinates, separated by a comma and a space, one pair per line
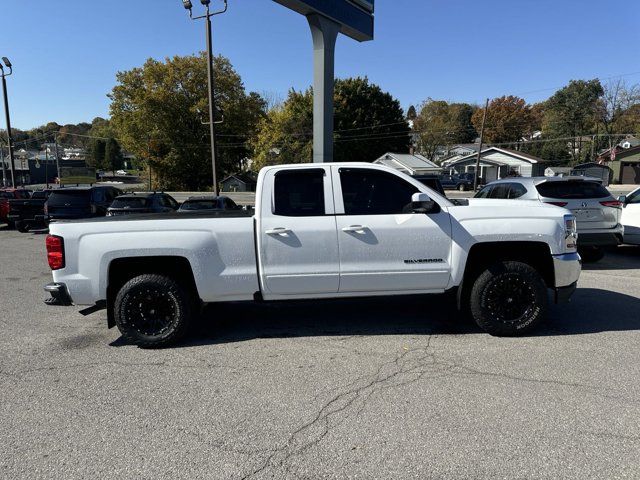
388, 388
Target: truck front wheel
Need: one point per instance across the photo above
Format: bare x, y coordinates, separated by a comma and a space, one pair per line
152, 310
508, 298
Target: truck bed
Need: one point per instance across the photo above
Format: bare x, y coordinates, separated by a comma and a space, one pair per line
203, 214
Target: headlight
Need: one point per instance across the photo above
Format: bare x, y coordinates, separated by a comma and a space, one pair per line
570, 232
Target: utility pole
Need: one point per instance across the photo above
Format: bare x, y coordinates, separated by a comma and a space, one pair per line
4, 167
46, 166
484, 118
212, 122
55, 149
6, 112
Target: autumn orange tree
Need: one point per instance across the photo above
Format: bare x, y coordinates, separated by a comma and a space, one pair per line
509, 118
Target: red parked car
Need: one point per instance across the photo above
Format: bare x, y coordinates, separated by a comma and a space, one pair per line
7, 194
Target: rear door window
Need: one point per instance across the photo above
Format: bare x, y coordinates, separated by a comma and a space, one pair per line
516, 190
69, 198
572, 190
501, 190
129, 202
299, 192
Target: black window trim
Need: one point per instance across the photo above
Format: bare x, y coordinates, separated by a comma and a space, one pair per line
286, 171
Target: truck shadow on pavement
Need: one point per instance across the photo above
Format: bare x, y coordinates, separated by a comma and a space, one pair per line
591, 310
624, 257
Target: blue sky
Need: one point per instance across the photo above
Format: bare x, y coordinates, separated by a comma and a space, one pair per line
66, 52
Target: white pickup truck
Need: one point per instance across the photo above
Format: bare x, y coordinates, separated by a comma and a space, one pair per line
318, 231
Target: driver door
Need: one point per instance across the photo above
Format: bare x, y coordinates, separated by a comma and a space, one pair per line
382, 249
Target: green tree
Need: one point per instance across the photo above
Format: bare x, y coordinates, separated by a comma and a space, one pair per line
440, 124
367, 123
96, 157
411, 113
159, 112
508, 120
112, 154
572, 113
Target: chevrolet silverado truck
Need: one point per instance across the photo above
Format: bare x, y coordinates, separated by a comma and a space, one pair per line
318, 231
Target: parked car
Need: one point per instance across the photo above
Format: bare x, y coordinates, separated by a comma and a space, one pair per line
27, 213
596, 210
122, 172
331, 230
431, 181
7, 194
151, 202
451, 182
220, 202
79, 202
630, 217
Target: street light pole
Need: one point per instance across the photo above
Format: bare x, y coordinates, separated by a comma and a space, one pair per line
6, 112
212, 123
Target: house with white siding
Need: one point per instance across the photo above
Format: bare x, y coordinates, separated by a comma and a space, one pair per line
498, 163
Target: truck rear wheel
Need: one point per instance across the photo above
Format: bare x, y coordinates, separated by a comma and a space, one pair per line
152, 310
591, 254
21, 226
508, 298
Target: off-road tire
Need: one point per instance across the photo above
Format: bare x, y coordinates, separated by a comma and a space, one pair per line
21, 226
509, 298
153, 311
591, 254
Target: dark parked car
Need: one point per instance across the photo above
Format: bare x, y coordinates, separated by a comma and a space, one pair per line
456, 182
209, 203
7, 194
151, 202
79, 202
27, 213
432, 182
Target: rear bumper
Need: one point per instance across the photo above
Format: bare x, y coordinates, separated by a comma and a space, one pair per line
59, 294
567, 268
602, 238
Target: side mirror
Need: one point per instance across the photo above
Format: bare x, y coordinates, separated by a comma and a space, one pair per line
421, 203
622, 199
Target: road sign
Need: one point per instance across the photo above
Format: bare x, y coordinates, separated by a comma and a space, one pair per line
327, 18
354, 16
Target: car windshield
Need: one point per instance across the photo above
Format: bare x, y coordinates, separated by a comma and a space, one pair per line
572, 190
71, 197
199, 205
130, 202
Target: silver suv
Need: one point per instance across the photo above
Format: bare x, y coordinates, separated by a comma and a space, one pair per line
597, 212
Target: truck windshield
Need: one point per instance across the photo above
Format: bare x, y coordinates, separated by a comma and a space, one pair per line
69, 197
130, 202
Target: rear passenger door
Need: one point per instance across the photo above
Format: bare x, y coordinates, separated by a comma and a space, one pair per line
296, 228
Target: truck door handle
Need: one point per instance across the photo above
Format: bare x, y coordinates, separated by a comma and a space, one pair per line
278, 231
354, 228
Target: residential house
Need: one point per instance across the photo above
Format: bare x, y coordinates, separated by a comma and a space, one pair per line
557, 171
626, 166
411, 164
498, 163
239, 182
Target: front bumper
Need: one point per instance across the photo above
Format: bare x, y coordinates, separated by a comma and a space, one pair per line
567, 268
59, 294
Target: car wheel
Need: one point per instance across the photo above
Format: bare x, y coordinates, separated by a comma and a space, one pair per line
22, 227
152, 310
591, 254
508, 298
462, 187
